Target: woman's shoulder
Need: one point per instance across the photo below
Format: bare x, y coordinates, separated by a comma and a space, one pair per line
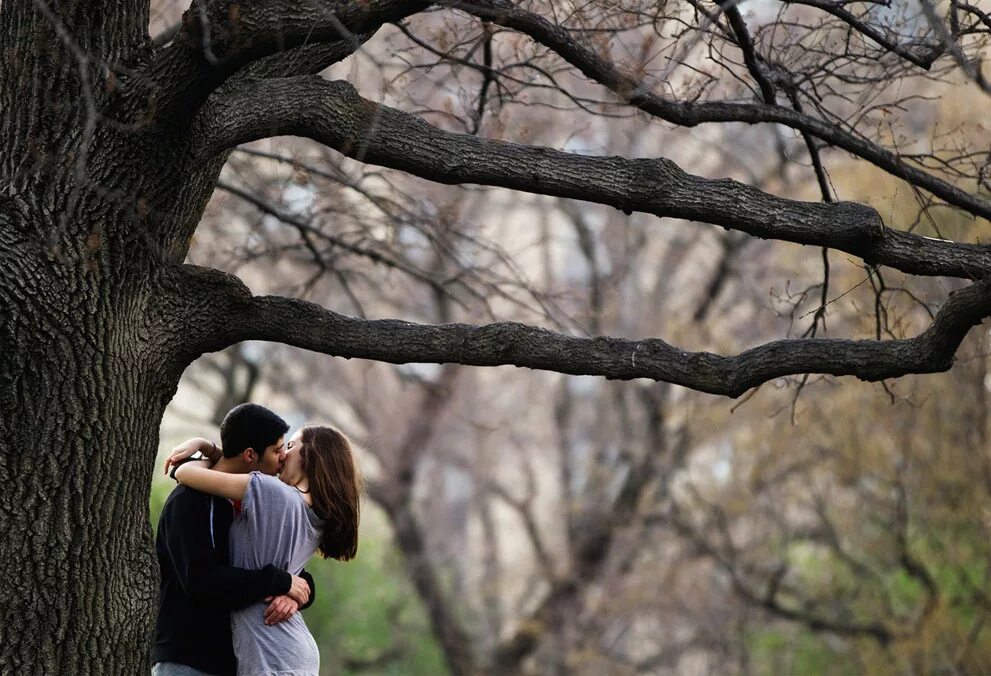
261, 476
265, 488
269, 484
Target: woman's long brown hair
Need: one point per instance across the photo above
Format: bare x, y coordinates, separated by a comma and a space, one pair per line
335, 487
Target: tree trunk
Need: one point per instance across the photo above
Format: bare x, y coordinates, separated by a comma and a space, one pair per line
97, 205
446, 627
81, 400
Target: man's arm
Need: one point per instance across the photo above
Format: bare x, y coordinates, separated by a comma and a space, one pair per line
187, 527
283, 607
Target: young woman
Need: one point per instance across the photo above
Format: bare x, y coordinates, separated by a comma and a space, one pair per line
312, 506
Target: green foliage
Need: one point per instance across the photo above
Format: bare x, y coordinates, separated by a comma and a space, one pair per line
784, 651
366, 612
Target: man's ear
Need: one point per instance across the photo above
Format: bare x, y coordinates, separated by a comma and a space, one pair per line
250, 456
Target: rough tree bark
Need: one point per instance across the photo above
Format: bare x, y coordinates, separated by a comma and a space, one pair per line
90, 353
110, 146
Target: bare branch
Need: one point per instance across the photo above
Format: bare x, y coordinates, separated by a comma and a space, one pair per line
922, 56
971, 67
307, 229
219, 37
689, 114
334, 114
309, 326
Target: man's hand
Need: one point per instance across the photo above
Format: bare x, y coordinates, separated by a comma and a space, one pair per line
299, 590
280, 609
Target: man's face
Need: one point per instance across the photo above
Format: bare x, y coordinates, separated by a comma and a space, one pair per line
272, 459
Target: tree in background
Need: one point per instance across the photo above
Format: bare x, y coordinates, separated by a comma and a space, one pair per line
112, 143
557, 526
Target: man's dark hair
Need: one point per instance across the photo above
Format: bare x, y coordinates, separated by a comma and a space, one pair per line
250, 426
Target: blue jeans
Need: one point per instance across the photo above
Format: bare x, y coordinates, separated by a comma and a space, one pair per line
175, 669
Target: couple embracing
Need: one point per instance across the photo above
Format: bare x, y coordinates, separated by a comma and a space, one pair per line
233, 539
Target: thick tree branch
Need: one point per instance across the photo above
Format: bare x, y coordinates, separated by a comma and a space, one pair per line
635, 92
220, 37
309, 59
334, 114
237, 316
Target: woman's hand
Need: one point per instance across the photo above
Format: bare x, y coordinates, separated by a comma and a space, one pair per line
280, 609
188, 448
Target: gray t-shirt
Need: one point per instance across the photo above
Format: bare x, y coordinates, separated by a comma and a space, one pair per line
275, 527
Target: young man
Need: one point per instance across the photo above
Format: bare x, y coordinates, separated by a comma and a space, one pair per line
199, 588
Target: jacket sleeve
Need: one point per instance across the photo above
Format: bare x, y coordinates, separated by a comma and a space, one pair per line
313, 588
200, 574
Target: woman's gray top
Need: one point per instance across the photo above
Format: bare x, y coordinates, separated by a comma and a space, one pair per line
275, 527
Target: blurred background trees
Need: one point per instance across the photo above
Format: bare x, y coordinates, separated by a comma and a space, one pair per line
525, 522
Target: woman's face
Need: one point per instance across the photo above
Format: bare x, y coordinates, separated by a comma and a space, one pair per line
292, 469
